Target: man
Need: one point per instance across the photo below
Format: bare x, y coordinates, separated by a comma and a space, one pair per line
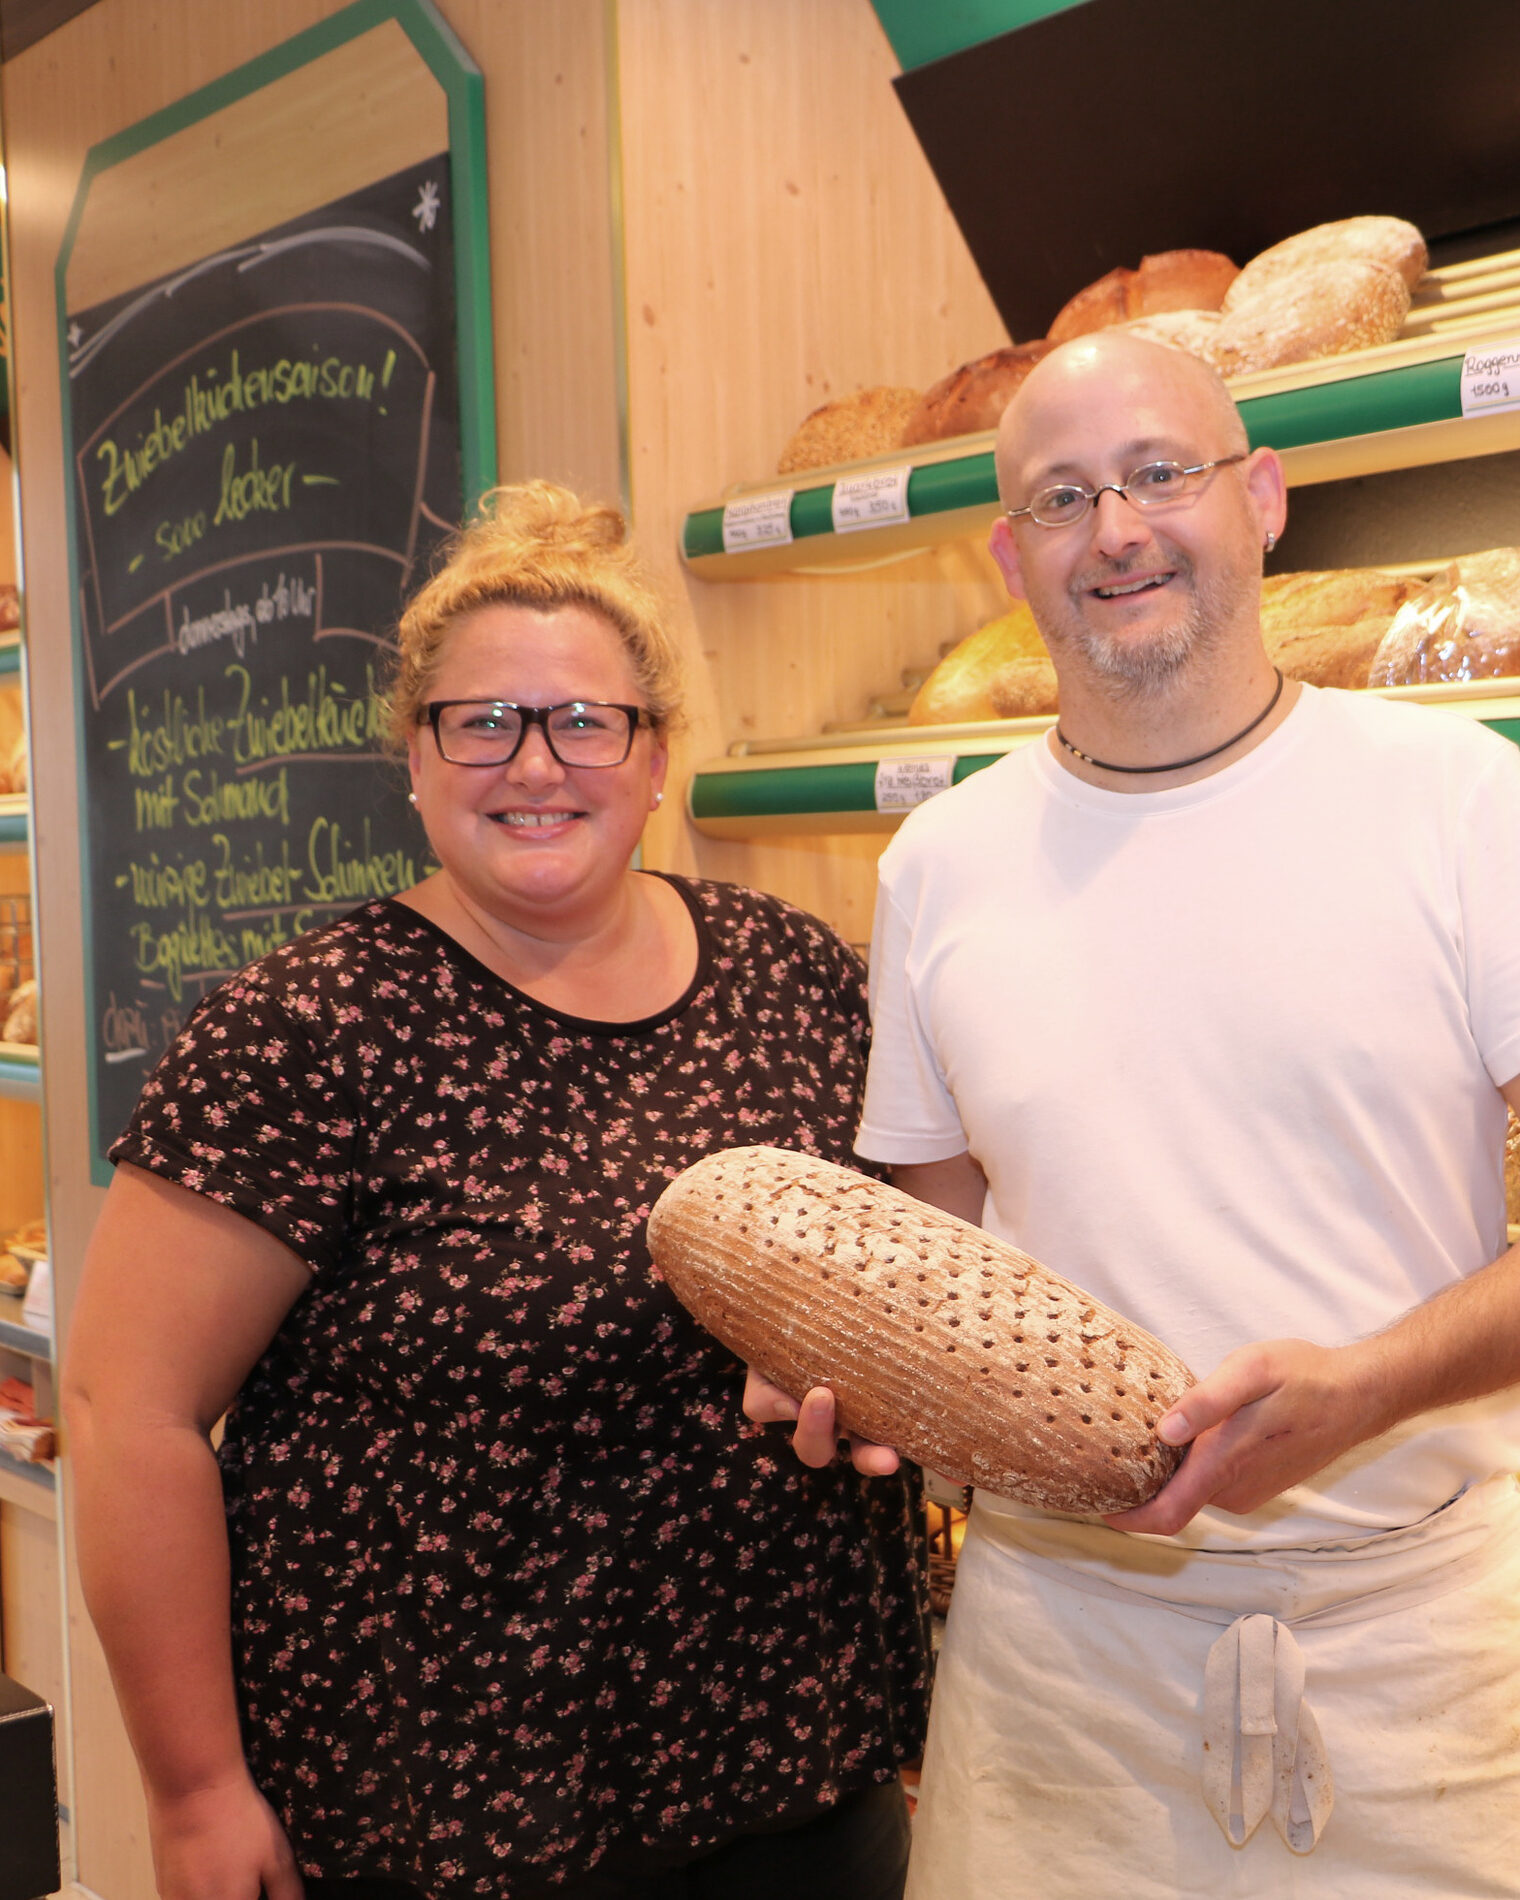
1212, 1003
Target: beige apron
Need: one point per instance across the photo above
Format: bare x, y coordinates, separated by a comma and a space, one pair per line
1116, 1716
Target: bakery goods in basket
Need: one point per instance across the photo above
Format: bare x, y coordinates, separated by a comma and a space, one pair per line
966, 1355
1168, 280
960, 686
973, 397
1464, 625
849, 429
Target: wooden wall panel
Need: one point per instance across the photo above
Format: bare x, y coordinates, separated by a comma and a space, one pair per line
786, 243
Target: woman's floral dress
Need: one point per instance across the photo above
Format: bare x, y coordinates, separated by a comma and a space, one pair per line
517, 1590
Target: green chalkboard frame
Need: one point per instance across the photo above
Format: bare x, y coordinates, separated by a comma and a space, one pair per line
464, 91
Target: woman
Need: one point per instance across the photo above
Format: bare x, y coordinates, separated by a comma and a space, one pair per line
520, 1603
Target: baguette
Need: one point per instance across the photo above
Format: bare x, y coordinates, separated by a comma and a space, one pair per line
936, 1338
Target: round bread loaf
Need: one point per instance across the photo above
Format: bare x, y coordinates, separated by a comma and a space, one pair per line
973, 397
1392, 242
850, 428
1023, 689
1190, 330
961, 1352
959, 688
1167, 280
1346, 303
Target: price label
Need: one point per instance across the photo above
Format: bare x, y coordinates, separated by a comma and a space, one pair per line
903, 783
871, 501
758, 521
1491, 378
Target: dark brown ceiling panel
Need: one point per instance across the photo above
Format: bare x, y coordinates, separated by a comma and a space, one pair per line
24, 22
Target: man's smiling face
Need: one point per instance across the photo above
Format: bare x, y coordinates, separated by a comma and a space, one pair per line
1131, 595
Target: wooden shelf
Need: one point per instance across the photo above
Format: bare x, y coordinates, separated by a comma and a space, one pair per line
17, 1336
29, 1487
786, 787
1396, 406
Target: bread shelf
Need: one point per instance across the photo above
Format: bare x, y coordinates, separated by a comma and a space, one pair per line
1396, 406
30, 1487
10, 654
15, 821
20, 1072
17, 1336
787, 787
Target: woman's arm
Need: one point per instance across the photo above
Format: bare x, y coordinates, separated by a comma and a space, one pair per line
180, 1297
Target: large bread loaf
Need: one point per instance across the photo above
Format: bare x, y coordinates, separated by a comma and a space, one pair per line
963, 1353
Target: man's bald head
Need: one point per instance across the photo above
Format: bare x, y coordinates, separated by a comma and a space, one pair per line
1110, 377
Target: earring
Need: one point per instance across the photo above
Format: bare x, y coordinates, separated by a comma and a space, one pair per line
1271, 542
659, 799
411, 798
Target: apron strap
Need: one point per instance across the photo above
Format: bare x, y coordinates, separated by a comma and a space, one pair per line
1262, 1750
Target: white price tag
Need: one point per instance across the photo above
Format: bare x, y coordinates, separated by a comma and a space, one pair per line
1491, 378
903, 783
871, 501
758, 521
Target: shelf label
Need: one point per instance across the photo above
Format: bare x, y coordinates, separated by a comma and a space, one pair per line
1491, 378
758, 521
879, 500
904, 783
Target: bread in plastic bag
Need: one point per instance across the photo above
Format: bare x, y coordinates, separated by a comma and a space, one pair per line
1465, 625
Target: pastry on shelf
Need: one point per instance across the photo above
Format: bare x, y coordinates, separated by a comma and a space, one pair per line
1465, 625
972, 398
961, 686
849, 429
1169, 280
1325, 625
21, 1017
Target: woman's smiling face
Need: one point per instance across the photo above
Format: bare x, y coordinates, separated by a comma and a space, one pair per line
536, 844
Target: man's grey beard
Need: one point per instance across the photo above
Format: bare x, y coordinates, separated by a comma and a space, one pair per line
1134, 670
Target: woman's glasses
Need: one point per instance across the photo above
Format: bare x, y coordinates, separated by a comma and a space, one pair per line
581, 732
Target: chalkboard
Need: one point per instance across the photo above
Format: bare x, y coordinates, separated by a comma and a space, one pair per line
265, 456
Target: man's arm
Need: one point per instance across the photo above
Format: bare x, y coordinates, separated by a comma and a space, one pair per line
1274, 1413
959, 1187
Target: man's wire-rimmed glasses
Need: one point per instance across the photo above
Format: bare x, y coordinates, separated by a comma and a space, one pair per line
1153, 485
580, 732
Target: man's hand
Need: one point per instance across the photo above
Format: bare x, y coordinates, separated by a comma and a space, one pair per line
1268, 1417
816, 1439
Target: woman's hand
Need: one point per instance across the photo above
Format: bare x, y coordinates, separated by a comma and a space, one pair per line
221, 1843
816, 1439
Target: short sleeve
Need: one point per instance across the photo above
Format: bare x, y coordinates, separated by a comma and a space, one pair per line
1489, 870
910, 1115
243, 1110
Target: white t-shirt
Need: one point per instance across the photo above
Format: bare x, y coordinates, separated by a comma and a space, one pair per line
1229, 1054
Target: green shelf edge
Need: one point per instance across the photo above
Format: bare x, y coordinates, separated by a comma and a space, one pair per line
808, 791
1373, 404
20, 1080
10, 657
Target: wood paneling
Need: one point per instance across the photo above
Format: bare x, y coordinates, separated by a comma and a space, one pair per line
786, 243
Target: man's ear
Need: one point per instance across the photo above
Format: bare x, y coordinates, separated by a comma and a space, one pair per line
1004, 549
1268, 488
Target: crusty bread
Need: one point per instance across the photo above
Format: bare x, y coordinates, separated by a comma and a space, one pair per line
1023, 689
963, 1353
849, 429
1167, 280
1344, 303
1464, 625
1190, 330
960, 685
1325, 625
1392, 242
1512, 1170
21, 1017
973, 397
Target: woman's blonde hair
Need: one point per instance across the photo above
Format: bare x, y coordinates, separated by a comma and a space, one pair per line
536, 545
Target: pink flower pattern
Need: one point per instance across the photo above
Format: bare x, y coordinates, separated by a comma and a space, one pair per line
517, 1589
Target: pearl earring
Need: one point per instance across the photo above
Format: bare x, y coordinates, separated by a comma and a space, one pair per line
659, 799
1271, 542
411, 798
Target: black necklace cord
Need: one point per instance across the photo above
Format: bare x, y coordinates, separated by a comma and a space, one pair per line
1179, 765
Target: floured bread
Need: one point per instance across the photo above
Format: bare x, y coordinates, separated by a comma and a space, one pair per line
1326, 625
1394, 243
1325, 309
1166, 280
961, 1352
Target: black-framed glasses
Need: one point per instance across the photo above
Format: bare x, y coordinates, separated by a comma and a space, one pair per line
583, 732
1153, 485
